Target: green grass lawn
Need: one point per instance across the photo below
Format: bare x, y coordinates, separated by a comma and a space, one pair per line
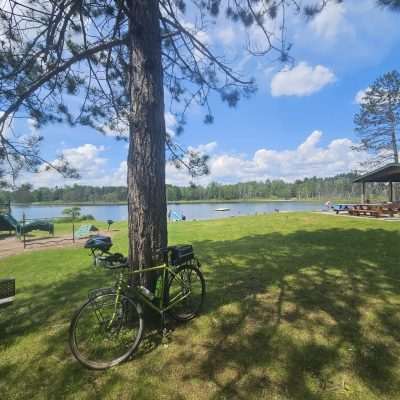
298, 306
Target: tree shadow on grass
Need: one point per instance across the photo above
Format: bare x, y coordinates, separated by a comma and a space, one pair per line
43, 313
300, 316
37, 324
309, 307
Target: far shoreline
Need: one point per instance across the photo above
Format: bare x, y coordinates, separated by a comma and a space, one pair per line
177, 202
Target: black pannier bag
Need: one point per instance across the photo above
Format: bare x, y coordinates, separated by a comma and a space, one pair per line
181, 254
99, 242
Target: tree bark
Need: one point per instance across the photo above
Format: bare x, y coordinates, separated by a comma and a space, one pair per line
393, 123
394, 145
147, 207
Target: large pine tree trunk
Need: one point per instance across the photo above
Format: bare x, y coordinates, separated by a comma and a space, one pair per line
394, 144
393, 126
147, 209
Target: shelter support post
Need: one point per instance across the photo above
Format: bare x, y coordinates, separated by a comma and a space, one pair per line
363, 193
389, 173
73, 226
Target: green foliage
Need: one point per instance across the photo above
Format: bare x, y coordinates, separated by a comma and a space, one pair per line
83, 48
73, 212
378, 121
23, 194
394, 5
68, 219
70, 194
337, 187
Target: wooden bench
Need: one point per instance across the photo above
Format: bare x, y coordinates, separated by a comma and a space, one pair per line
386, 211
373, 210
371, 213
7, 291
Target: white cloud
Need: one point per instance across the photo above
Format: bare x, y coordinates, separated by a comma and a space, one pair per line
226, 35
174, 176
32, 126
360, 95
86, 159
302, 80
23, 134
330, 22
85, 155
308, 159
170, 120
118, 177
170, 123
347, 36
204, 148
201, 35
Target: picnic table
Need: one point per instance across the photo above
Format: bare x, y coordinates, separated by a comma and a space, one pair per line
376, 210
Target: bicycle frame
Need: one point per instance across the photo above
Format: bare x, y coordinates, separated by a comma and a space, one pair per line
120, 308
121, 285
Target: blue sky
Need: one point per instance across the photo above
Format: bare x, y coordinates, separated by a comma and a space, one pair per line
299, 123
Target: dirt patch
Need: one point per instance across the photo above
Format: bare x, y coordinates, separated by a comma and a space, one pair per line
10, 245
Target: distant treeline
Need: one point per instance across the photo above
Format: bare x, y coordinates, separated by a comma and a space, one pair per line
337, 187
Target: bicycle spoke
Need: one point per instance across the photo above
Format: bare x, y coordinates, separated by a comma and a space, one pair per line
186, 293
106, 330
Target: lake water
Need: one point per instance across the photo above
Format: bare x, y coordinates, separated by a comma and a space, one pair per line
192, 211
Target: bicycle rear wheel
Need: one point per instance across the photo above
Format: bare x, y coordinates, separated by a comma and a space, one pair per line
106, 330
187, 283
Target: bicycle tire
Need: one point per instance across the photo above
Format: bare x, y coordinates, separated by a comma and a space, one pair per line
127, 311
193, 309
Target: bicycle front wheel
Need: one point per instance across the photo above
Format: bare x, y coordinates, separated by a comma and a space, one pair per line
106, 330
185, 293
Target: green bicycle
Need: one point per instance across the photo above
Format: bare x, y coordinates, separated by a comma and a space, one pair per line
108, 327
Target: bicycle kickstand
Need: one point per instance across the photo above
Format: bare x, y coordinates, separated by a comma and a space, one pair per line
164, 331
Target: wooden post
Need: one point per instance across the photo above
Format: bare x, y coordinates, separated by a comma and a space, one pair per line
23, 229
9, 213
363, 193
391, 192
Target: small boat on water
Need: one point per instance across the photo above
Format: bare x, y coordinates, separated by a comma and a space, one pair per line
222, 209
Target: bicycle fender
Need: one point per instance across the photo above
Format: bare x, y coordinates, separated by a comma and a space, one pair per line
139, 308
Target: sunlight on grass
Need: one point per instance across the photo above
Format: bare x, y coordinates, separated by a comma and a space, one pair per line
298, 306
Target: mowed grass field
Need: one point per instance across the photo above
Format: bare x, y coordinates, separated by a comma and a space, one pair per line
298, 306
